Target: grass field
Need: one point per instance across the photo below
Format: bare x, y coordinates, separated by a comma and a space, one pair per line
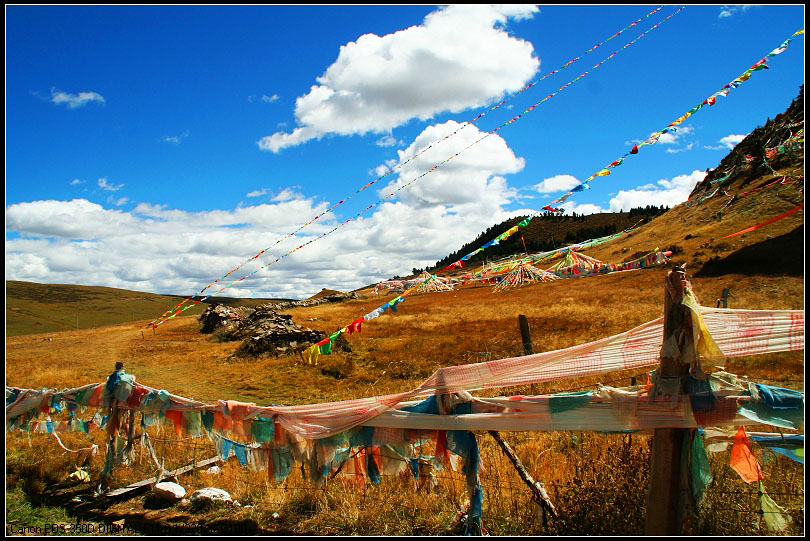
597, 481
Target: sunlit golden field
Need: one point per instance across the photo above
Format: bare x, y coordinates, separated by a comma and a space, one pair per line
395, 353
596, 481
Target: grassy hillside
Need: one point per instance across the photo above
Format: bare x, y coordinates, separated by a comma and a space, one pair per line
589, 476
33, 308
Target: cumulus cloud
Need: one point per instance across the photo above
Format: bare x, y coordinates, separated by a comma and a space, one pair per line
387, 141
557, 183
159, 249
73, 101
380, 82
585, 208
728, 142
471, 178
287, 194
104, 185
150, 248
731, 10
675, 136
686, 148
665, 192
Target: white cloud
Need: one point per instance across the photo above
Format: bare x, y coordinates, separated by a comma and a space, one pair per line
668, 193
470, 179
378, 83
287, 194
104, 185
159, 249
557, 183
728, 142
257, 193
687, 148
674, 136
72, 101
387, 141
731, 10
74, 219
76, 182
270, 99
175, 139
585, 208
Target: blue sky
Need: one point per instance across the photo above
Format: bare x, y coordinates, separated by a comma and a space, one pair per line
157, 148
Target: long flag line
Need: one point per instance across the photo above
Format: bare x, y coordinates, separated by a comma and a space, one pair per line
177, 310
325, 345
711, 100
767, 222
401, 164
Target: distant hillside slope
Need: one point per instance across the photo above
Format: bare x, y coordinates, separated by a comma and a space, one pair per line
548, 231
33, 308
761, 178
782, 138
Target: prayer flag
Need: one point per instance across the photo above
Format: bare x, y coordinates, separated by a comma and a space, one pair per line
743, 460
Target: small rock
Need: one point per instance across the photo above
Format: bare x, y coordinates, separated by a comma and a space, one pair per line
169, 491
213, 469
213, 494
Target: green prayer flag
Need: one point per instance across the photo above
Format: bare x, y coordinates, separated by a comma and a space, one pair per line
208, 420
262, 430
701, 472
559, 403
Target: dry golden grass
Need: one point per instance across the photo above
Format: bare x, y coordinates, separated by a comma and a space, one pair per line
598, 482
394, 353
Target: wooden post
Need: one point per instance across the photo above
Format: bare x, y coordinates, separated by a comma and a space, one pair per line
537, 487
666, 495
630, 436
525, 335
113, 420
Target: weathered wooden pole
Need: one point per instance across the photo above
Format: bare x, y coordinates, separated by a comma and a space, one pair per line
525, 335
526, 338
113, 420
538, 488
666, 495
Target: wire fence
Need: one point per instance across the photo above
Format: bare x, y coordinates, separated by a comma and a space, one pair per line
587, 476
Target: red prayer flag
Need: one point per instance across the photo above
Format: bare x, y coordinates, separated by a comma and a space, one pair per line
354, 326
743, 460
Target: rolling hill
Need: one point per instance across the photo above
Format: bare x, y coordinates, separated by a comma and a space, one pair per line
33, 308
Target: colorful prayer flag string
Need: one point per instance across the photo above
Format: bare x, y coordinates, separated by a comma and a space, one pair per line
398, 166
177, 309
672, 127
324, 347
767, 222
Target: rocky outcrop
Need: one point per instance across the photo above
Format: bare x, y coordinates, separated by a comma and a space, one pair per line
332, 297
261, 330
